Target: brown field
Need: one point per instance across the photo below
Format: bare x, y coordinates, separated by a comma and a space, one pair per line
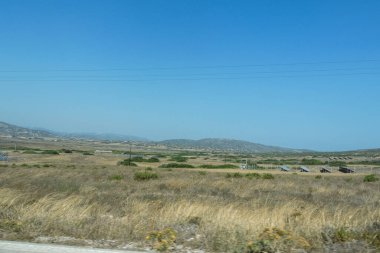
92, 199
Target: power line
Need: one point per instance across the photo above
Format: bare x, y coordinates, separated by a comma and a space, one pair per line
182, 79
191, 67
230, 73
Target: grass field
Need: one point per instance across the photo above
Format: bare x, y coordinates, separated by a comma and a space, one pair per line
215, 210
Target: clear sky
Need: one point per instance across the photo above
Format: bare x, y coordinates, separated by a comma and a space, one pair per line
300, 74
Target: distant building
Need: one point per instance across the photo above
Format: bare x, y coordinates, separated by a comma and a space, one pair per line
103, 151
304, 169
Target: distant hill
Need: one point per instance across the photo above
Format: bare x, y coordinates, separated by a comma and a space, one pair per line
13, 131
97, 136
226, 145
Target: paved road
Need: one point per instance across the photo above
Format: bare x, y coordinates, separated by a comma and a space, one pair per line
25, 247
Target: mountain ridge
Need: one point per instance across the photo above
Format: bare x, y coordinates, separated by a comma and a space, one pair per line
210, 144
223, 144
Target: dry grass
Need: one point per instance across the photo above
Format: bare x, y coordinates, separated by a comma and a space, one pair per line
207, 211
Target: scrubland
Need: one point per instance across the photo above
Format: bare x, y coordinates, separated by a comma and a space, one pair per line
212, 211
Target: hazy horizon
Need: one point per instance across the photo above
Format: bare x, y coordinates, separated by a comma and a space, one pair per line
303, 75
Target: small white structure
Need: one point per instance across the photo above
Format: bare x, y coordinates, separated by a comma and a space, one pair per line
103, 152
244, 164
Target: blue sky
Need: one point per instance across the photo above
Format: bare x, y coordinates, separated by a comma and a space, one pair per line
302, 74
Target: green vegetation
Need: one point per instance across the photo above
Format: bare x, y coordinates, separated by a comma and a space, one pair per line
337, 163
234, 175
30, 152
253, 175
140, 159
162, 240
126, 162
176, 165
267, 176
371, 178
116, 177
311, 162
145, 175
178, 159
370, 162
87, 153
221, 166
50, 152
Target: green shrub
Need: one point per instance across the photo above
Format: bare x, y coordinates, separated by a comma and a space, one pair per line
116, 177
152, 160
337, 163
311, 162
139, 159
126, 162
145, 175
149, 169
318, 177
221, 166
30, 152
371, 178
202, 173
87, 153
234, 175
253, 175
176, 165
267, 176
50, 152
343, 235
162, 240
178, 159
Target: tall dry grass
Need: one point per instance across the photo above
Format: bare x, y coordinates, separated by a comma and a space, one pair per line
207, 211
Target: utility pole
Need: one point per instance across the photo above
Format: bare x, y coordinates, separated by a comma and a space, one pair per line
130, 154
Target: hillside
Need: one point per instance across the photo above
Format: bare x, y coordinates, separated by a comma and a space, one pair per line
12, 131
225, 145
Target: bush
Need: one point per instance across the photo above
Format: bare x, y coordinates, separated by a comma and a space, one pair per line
371, 178
50, 152
337, 163
274, 239
139, 159
162, 240
176, 165
202, 173
178, 159
267, 176
252, 175
87, 153
234, 175
221, 166
311, 162
126, 162
145, 175
30, 152
152, 160
318, 177
116, 177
